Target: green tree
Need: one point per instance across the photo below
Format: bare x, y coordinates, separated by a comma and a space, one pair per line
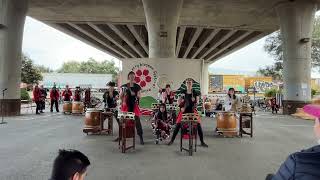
91, 66
43, 69
70, 67
29, 73
273, 46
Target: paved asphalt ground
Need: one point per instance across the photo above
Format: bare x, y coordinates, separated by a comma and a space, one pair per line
30, 142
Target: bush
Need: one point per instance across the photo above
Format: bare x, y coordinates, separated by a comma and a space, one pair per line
24, 94
313, 92
271, 93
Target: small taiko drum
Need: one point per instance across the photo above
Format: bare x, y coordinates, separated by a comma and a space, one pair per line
227, 123
77, 107
127, 119
67, 107
189, 131
126, 130
92, 118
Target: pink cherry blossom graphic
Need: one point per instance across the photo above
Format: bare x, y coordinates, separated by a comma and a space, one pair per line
146, 72
137, 79
142, 77
138, 73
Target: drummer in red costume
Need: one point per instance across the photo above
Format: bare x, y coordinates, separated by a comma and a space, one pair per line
77, 94
188, 104
67, 94
130, 96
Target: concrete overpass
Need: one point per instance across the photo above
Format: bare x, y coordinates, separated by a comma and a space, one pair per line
188, 29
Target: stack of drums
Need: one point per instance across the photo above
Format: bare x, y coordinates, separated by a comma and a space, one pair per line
67, 107
92, 121
227, 123
77, 107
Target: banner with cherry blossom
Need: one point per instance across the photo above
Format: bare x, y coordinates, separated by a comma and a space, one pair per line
153, 74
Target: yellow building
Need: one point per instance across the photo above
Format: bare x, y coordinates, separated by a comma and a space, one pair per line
315, 84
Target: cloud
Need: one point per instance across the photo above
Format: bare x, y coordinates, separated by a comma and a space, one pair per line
50, 47
249, 58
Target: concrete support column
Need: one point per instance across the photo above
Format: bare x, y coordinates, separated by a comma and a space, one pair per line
162, 21
296, 24
12, 18
205, 79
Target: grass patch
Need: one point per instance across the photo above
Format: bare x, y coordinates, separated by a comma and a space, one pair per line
145, 102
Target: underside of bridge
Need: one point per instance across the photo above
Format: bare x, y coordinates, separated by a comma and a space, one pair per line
206, 29
174, 31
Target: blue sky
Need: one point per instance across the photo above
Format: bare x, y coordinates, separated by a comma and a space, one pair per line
50, 47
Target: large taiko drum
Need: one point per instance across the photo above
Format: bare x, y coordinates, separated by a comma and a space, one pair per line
67, 107
92, 118
77, 107
226, 122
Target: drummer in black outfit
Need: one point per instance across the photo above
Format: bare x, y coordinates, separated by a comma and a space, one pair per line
188, 104
130, 96
110, 98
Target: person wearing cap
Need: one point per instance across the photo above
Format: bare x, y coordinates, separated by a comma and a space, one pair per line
303, 165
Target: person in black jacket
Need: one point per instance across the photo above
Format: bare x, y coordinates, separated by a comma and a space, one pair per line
304, 165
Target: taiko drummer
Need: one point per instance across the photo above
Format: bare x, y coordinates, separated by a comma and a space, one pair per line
130, 96
188, 104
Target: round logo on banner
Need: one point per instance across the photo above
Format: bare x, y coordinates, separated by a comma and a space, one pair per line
146, 76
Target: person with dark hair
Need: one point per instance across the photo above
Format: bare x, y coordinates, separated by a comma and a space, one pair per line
274, 105
87, 98
66, 94
303, 165
110, 98
231, 102
77, 94
168, 95
43, 98
70, 165
161, 124
37, 98
54, 97
188, 104
130, 96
